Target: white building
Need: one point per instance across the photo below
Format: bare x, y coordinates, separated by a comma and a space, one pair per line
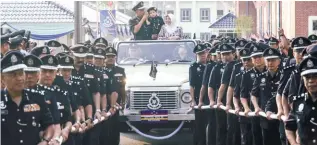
192, 16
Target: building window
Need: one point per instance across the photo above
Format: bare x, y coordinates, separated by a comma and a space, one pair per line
204, 36
204, 14
187, 35
170, 12
185, 15
219, 13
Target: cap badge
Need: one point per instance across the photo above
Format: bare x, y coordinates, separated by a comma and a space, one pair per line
81, 49
14, 59
230, 41
270, 51
224, 47
50, 60
110, 49
101, 40
241, 43
44, 50
53, 44
67, 59
99, 51
310, 63
30, 62
90, 50
255, 49
313, 37
301, 41
244, 52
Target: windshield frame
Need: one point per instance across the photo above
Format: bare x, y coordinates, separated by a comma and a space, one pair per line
153, 41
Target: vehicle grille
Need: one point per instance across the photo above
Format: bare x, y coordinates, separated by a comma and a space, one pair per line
140, 99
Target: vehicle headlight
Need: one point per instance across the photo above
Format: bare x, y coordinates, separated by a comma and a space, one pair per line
186, 98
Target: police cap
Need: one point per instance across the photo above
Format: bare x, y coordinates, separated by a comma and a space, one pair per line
66, 62
111, 51
273, 41
199, 48
49, 62
230, 41
99, 53
12, 61
61, 54
17, 33
271, 53
308, 66
212, 51
138, 6
249, 45
256, 50
66, 48
240, 44
41, 50
244, 53
5, 38
208, 45
53, 43
33, 63
312, 38
226, 48
79, 51
15, 41
90, 52
300, 43
310, 50
151, 9
27, 36
101, 42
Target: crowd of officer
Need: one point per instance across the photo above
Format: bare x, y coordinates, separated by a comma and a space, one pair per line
275, 76
56, 98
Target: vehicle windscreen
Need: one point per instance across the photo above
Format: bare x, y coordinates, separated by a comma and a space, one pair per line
139, 52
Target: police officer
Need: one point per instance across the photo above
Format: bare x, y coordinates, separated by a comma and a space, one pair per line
88, 73
235, 82
40, 51
15, 42
196, 71
312, 38
138, 24
298, 45
101, 42
117, 94
48, 75
32, 71
303, 114
23, 111
5, 43
273, 42
246, 87
89, 59
265, 88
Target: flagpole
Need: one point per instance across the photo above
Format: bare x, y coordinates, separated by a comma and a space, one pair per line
98, 20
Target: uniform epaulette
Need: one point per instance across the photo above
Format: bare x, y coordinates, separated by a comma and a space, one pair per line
289, 66
299, 97
239, 63
35, 91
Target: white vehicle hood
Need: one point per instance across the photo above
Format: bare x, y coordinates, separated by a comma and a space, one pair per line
171, 75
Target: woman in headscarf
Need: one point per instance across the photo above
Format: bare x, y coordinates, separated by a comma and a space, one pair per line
170, 31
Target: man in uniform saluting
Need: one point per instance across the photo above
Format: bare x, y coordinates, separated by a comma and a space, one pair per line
138, 24
23, 111
303, 114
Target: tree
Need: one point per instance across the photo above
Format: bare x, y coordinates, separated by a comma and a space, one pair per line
244, 25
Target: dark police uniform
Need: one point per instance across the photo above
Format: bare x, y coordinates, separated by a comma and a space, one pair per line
298, 44
265, 88
21, 124
303, 114
235, 82
196, 71
89, 73
211, 125
118, 77
145, 32
245, 89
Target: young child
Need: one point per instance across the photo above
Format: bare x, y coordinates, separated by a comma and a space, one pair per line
156, 22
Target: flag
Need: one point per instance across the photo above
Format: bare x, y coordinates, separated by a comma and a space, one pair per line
108, 22
153, 70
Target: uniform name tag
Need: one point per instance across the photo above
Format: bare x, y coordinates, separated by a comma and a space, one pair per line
118, 75
31, 108
105, 76
89, 76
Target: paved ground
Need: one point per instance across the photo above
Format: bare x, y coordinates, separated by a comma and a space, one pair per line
184, 137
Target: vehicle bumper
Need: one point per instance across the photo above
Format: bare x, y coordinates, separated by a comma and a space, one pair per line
171, 117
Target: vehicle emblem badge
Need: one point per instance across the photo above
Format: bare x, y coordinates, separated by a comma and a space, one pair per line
154, 102
310, 63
